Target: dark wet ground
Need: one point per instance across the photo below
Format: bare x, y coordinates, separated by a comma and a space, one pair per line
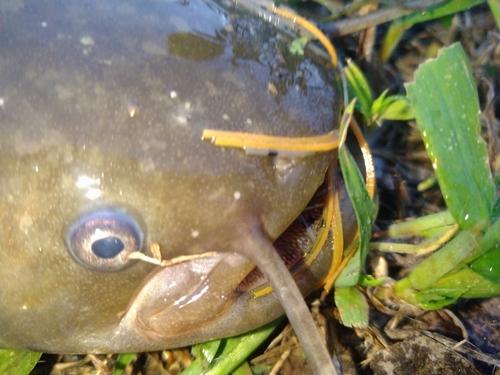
464, 339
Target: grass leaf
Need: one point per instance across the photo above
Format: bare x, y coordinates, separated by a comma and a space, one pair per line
446, 107
17, 362
123, 360
231, 352
400, 25
352, 305
447, 259
365, 214
359, 88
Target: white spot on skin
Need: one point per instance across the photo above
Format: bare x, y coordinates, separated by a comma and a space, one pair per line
237, 195
173, 94
93, 194
225, 117
85, 181
283, 167
25, 223
182, 119
87, 40
132, 109
195, 233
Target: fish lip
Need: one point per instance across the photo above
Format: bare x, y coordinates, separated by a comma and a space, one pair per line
167, 304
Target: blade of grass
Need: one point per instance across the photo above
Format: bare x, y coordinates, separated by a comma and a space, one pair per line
400, 25
237, 354
427, 273
446, 107
437, 298
431, 269
205, 354
473, 284
123, 360
365, 213
490, 240
488, 266
352, 305
359, 88
422, 225
386, 14
18, 362
495, 10
222, 357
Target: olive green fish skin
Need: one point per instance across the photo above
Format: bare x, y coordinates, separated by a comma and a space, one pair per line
103, 113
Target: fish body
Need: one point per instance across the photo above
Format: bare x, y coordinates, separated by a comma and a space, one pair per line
103, 105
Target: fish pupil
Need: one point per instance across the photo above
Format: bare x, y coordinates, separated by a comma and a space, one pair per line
107, 247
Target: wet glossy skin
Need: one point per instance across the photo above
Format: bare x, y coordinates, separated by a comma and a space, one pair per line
100, 130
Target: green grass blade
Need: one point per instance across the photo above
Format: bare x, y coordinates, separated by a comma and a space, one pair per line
244, 345
480, 280
205, 354
392, 38
352, 306
222, 357
244, 369
488, 266
17, 362
400, 25
123, 360
208, 350
395, 107
472, 284
444, 9
490, 240
358, 88
447, 259
446, 107
365, 213
422, 225
437, 298
495, 10
496, 210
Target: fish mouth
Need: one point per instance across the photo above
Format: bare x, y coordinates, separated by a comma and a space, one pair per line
201, 291
181, 298
295, 243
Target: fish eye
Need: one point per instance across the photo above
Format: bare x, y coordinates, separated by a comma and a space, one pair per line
104, 239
